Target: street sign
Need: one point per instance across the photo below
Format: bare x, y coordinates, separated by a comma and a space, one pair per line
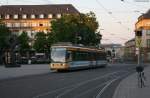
138, 41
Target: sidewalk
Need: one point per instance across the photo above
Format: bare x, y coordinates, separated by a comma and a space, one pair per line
24, 70
128, 87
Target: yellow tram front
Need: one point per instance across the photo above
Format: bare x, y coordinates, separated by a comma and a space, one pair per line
58, 58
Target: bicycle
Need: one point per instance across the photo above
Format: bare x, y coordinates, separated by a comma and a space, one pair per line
141, 76
141, 80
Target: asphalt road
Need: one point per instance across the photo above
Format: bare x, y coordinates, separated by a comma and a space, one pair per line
90, 83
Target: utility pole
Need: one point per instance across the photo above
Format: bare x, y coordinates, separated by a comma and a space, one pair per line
139, 44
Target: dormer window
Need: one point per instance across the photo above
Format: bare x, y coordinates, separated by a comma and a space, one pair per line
16, 16
32, 16
58, 15
7, 16
24, 16
50, 16
41, 16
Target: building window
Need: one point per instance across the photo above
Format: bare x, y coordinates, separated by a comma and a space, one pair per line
7, 16
58, 15
16, 24
34, 25
40, 24
41, 16
8, 24
147, 32
148, 43
50, 16
16, 16
24, 16
54, 15
24, 24
32, 16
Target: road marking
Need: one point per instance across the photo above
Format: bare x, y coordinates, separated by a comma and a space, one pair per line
73, 86
102, 91
82, 83
91, 89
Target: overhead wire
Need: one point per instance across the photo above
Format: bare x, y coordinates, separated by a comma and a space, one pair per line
112, 16
133, 4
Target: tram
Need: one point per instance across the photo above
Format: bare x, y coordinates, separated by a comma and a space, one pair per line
68, 57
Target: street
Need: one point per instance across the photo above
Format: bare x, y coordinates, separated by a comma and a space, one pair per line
89, 83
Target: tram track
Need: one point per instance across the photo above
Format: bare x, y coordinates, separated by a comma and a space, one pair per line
75, 84
67, 90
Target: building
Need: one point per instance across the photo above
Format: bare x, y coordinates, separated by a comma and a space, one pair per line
33, 18
130, 51
143, 24
114, 51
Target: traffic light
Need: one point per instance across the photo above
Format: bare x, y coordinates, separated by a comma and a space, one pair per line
138, 33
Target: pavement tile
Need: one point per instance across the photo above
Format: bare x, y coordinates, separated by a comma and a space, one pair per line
128, 87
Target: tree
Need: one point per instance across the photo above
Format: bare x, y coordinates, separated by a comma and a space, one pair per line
4, 36
40, 44
4, 39
76, 28
24, 42
50, 39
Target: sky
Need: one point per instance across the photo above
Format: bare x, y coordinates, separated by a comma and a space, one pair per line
116, 18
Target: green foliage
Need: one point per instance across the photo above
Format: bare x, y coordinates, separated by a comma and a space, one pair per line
50, 39
76, 28
23, 40
40, 44
4, 36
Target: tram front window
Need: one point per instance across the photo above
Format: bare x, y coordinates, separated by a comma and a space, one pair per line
58, 54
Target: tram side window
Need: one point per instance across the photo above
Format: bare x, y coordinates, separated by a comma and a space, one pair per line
93, 56
80, 56
98, 56
101, 56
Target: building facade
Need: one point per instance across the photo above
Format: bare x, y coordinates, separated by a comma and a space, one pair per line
130, 51
33, 18
143, 24
114, 51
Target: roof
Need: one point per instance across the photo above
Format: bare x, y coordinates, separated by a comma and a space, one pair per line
131, 40
70, 45
111, 45
37, 9
145, 15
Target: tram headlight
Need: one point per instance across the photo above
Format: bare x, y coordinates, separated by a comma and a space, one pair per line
62, 64
52, 65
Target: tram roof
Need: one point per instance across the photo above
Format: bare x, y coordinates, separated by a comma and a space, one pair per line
78, 47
